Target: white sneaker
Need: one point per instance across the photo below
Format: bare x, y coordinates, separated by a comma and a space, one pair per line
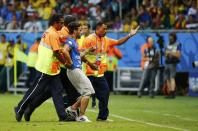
82, 119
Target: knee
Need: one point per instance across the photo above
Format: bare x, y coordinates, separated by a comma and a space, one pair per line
86, 97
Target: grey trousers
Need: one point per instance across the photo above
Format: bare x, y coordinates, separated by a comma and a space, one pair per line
148, 80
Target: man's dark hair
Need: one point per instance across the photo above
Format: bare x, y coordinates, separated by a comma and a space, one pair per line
55, 18
68, 19
3, 35
18, 36
38, 39
73, 26
99, 24
173, 34
148, 38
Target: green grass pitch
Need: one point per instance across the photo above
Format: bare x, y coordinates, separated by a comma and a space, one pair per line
127, 113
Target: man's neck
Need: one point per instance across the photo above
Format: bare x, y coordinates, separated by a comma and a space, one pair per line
98, 35
54, 28
86, 35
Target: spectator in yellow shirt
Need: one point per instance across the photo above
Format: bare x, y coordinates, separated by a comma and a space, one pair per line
3, 51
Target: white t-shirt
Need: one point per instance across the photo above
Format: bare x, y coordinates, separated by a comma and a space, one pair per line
32, 26
192, 11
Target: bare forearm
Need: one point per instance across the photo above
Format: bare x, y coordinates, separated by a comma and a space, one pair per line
84, 59
60, 55
124, 39
177, 54
92, 65
83, 53
131, 33
68, 58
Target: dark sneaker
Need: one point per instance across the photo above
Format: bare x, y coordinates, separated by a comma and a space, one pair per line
27, 114
71, 114
139, 94
18, 116
170, 97
99, 119
152, 95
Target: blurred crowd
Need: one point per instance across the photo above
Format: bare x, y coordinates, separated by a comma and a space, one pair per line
120, 15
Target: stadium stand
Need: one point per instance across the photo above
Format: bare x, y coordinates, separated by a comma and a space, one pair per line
119, 14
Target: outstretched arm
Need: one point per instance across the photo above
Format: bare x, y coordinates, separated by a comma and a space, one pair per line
125, 38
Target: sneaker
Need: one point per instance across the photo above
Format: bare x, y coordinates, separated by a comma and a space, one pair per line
71, 114
27, 114
139, 94
152, 95
104, 120
99, 119
18, 116
82, 119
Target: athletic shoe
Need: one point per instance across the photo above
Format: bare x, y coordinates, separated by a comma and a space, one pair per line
139, 94
71, 114
171, 95
27, 114
18, 116
152, 95
104, 120
82, 119
98, 119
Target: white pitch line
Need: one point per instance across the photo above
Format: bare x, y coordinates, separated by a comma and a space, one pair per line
110, 120
171, 115
143, 122
138, 121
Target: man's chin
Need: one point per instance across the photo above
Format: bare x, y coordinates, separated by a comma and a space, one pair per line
78, 37
103, 35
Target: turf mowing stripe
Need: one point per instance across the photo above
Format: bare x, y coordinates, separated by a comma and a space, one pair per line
143, 122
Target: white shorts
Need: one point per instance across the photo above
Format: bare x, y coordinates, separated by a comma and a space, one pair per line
80, 81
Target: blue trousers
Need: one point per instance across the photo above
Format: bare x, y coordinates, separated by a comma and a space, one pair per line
102, 94
68, 89
43, 81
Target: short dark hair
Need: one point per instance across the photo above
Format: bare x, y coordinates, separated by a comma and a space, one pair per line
68, 19
99, 24
38, 39
55, 18
3, 35
73, 26
18, 36
173, 34
148, 38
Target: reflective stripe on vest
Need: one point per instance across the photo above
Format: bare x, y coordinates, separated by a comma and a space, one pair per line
47, 62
